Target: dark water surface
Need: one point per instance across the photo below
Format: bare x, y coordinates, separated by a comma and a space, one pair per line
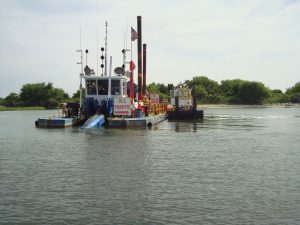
238, 166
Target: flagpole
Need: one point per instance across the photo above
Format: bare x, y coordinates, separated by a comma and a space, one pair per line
105, 57
131, 49
134, 36
131, 89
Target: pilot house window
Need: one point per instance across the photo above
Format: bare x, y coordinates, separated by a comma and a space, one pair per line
102, 87
115, 87
91, 87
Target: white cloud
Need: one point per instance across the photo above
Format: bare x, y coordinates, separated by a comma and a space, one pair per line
254, 40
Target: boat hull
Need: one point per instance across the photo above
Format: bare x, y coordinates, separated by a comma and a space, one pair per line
55, 122
139, 122
186, 115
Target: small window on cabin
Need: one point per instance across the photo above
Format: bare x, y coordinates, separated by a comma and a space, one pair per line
185, 93
91, 87
102, 87
172, 93
124, 87
115, 87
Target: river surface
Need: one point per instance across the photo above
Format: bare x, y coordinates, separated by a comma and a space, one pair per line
237, 166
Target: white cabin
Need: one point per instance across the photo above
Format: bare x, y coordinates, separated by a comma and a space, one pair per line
97, 87
184, 97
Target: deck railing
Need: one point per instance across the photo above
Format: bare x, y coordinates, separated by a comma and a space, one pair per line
155, 109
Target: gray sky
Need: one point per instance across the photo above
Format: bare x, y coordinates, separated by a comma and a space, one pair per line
252, 40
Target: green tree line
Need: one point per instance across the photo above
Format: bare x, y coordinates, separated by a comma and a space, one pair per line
234, 91
38, 94
206, 91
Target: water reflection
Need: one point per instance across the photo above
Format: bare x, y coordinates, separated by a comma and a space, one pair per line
186, 126
118, 172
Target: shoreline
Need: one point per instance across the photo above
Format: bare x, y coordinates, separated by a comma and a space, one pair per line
25, 108
199, 106
230, 106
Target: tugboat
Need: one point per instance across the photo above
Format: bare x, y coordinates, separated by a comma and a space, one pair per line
183, 105
111, 100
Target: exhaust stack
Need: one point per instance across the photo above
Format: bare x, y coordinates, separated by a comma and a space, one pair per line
144, 68
139, 46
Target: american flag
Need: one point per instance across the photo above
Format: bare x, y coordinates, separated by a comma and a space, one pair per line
134, 34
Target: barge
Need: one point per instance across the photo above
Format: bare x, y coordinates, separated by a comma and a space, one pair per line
183, 105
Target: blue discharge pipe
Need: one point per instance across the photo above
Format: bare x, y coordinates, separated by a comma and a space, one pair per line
109, 107
91, 106
95, 121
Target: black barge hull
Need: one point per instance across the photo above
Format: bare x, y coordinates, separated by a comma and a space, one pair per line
186, 115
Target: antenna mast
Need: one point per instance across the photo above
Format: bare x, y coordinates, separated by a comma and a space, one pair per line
97, 54
81, 62
105, 66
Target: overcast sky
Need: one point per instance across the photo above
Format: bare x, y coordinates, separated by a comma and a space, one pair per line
252, 40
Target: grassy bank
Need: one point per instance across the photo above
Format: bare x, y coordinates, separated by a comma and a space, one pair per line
4, 108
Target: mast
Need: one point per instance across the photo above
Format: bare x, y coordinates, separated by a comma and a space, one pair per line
109, 78
144, 69
81, 62
109, 98
105, 66
80, 49
97, 54
139, 47
132, 67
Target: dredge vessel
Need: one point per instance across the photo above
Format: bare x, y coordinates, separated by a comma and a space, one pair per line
112, 100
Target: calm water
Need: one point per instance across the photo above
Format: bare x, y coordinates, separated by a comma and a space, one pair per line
238, 166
